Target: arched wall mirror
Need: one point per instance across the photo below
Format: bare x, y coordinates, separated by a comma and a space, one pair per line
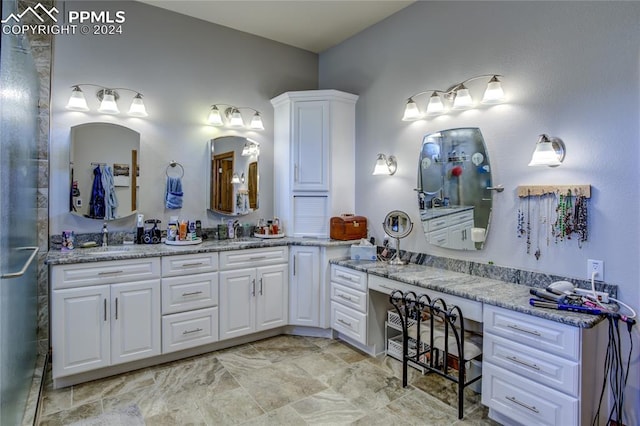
233, 175
104, 168
453, 176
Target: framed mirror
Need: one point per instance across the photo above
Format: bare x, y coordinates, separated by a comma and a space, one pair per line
233, 175
453, 176
104, 163
397, 224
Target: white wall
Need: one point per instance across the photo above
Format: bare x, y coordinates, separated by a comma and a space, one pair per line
181, 65
571, 70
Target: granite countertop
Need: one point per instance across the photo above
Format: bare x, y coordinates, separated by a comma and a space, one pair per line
137, 251
437, 212
510, 296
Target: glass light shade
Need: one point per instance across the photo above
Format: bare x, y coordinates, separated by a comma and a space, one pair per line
545, 154
246, 150
463, 99
215, 119
108, 104
435, 105
411, 111
235, 179
137, 108
494, 93
385, 166
77, 102
256, 122
236, 119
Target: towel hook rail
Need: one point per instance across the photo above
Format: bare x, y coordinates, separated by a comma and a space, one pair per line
173, 164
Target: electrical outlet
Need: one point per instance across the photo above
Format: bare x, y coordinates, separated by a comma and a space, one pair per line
596, 266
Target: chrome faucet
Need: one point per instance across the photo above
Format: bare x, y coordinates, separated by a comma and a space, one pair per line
105, 235
436, 202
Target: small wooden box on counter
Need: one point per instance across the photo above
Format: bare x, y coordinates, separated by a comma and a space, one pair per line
348, 227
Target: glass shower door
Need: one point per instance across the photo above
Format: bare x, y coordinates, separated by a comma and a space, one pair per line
18, 223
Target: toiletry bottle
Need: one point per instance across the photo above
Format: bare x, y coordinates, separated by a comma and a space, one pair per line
276, 225
140, 229
230, 229
192, 231
183, 230
105, 235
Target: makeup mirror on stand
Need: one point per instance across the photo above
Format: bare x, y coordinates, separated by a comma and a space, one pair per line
397, 224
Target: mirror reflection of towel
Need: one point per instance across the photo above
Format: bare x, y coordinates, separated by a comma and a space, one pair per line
173, 194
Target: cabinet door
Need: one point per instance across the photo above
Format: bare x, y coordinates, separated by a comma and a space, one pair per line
237, 302
135, 321
310, 146
460, 236
272, 297
304, 289
80, 329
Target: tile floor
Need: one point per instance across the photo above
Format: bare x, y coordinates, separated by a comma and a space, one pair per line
284, 380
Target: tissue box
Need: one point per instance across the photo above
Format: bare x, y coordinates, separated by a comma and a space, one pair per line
363, 252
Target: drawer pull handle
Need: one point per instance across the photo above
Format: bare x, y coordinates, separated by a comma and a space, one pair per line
116, 308
440, 223
191, 265
192, 293
258, 258
109, 272
105, 310
524, 330
261, 293
253, 287
197, 330
345, 297
526, 364
346, 277
384, 286
522, 404
348, 324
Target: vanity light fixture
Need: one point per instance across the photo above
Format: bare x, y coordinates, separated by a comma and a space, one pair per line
385, 166
250, 148
550, 151
234, 117
235, 179
108, 100
458, 95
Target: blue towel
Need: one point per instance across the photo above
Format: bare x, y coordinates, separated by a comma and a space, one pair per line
110, 198
173, 194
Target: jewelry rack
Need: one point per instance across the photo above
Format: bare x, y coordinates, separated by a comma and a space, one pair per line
538, 190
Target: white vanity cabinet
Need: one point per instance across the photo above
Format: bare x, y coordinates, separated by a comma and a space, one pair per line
104, 313
451, 231
314, 156
189, 301
349, 303
309, 284
542, 372
254, 290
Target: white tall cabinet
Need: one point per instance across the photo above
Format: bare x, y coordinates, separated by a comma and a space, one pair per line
314, 158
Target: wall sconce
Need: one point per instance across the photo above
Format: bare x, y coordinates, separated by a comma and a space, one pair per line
250, 148
458, 95
385, 166
234, 117
235, 179
550, 151
108, 100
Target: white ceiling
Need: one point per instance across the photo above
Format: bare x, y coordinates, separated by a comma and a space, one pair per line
313, 25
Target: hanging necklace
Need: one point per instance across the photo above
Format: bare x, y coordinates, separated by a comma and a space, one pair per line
528, 221
520, 221
537, 254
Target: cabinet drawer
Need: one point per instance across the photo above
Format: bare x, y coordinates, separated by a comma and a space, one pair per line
439, 238
437, 223
253, 257
457, 218
85, 274
558, 373
189, 292
189, 264
349, 322
349, 297
525, 401
189, 329
542, 334
349, 277
471, 309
